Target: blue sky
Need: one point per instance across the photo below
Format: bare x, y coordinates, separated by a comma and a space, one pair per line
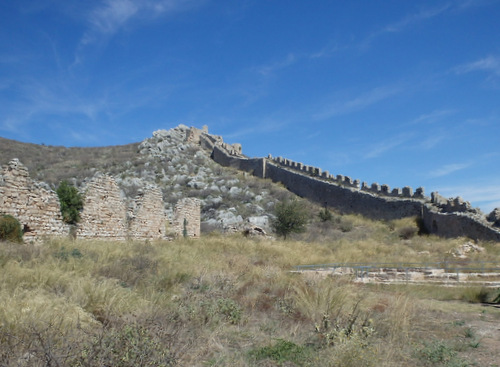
395, 92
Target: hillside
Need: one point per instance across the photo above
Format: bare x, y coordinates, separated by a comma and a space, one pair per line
229, 198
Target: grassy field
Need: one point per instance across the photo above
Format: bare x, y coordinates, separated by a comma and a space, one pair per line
232, 301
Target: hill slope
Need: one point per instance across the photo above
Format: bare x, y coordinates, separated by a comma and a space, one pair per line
229, 198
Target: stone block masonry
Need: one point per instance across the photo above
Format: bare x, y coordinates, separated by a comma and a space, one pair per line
146, 217
34, 204
106, 214
187, 218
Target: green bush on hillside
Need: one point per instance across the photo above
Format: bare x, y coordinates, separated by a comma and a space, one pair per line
291, 217
71, 202
10, 229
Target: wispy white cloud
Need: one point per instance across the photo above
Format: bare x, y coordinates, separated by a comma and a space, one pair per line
422, 15
432, 141
387, 145
267, 70
406, 22
433, 117
324, 52
109, 17
360, 102
112, 15
425, 14
448, 169
489, 64
266, 125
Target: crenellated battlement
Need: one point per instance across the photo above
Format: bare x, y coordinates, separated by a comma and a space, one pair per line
375, 188
452, 217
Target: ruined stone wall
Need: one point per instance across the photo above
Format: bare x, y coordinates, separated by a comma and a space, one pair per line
35, 206
105, 214
147, 218
458, 224
104, 211
187, 218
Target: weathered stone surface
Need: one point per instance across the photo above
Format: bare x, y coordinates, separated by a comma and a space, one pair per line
35, 206
104, 211
494, 217
187, 218
438, 200
464, 250
147, 218
261, 221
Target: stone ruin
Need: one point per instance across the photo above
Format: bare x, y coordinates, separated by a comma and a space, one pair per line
33, 204
106, 213
186, 220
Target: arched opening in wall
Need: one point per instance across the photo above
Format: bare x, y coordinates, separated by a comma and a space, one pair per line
434, 226
26, 228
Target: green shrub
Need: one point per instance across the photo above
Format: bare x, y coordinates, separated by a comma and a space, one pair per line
291, 217
71, 202
325, 215
10, 229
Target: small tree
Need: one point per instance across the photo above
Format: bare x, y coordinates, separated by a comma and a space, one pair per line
10, 229
71, 202
291, 217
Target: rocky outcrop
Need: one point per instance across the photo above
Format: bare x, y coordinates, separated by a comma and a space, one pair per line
494, 217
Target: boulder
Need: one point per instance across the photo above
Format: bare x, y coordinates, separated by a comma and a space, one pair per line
254, 231
494, 217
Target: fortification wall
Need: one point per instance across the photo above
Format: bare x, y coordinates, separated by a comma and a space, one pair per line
147, 218
35, 206
344, 199
440, 216
187, 220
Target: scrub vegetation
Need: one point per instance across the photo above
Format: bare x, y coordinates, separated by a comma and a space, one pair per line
233, 301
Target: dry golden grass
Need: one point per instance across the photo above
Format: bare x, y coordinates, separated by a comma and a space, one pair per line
216, 301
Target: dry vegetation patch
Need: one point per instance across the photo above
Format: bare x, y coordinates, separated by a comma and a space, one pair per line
226, 301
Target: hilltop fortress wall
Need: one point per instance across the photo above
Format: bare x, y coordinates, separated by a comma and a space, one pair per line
440, 216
